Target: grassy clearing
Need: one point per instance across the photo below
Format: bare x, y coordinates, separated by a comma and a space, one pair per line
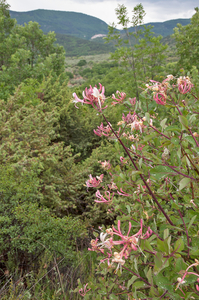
72, 61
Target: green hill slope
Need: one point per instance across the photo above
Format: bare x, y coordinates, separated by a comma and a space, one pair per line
165, 28
63, 22
75, 30
77, 47
82, 25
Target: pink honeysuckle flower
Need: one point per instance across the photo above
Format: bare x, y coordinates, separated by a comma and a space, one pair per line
105, 243
123, 161
182, 281
132, 101
140, 147
119, 260
184, 84
77, 100
160, 90
137, 125
94, 245
197, 286
169, 77
101, 130
102, 199
121, 96
93, 96
106, 259
105, 164
112, 185
130, 242
160, 98
94, 181
122, 193
128, 119
83, 292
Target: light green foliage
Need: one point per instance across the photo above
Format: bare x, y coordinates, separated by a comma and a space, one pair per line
27, 53
37, 178
187, 43
138, 52
6, 25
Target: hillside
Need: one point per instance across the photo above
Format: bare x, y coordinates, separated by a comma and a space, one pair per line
165, 28
63, 22
77, 47
82, 25
74, 31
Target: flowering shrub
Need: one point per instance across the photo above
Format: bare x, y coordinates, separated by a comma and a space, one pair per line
153, 195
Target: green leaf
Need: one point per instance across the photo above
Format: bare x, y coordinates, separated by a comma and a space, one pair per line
162, 123
113, 297
183, 121
166, 233
147, 116
191, 222
139, 284
163, 246
183, 183
160, 172
146, 245
149, 276
163, 282
173, 128
140, 162
136, 172
149, 137
190, 139
131, 281
179, 245
175, 140
158, 261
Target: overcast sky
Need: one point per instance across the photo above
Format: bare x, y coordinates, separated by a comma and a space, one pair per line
156, 11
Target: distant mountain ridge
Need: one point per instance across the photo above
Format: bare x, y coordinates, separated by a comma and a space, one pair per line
81, 25
71, 23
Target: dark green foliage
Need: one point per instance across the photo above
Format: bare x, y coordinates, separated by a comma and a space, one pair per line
75, 46
82, 63
165, 28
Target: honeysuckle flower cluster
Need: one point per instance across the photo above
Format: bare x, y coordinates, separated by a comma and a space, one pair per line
103, 130
160, 88
112, 186
120, 97
127, 242
105, 164
129, 118
184, 84
132, 101
83, 292
106, 200
94, 181
137, 124
93, 96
